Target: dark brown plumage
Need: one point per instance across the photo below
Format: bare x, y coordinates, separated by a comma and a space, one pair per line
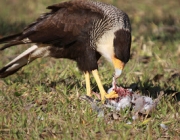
79, 30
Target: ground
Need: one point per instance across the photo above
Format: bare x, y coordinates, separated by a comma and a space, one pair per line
42, 101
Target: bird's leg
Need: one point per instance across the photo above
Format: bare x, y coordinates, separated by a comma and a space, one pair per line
88, 86
118, 65
100, 86
103, 93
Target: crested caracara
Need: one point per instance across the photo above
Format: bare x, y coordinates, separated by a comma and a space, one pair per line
80, 30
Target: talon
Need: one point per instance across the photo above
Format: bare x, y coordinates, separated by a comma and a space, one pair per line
112, 94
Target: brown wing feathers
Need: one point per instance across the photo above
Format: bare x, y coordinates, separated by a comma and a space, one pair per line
66, 20
67, 25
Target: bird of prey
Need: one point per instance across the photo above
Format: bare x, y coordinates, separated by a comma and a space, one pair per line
80, 30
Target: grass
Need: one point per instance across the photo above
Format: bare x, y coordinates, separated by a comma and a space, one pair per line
41, 100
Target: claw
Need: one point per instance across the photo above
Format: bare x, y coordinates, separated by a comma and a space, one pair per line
112, 94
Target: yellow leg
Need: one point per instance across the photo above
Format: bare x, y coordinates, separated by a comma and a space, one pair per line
88, 86
100, 86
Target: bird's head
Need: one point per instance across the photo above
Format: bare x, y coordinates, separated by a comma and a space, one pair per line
122, 45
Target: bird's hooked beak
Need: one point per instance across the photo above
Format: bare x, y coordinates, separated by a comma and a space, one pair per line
118, 66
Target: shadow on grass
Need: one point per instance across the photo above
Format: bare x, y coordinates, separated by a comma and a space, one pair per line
69, 83
147, 88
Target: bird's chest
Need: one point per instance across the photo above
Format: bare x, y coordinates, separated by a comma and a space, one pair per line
105, 45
